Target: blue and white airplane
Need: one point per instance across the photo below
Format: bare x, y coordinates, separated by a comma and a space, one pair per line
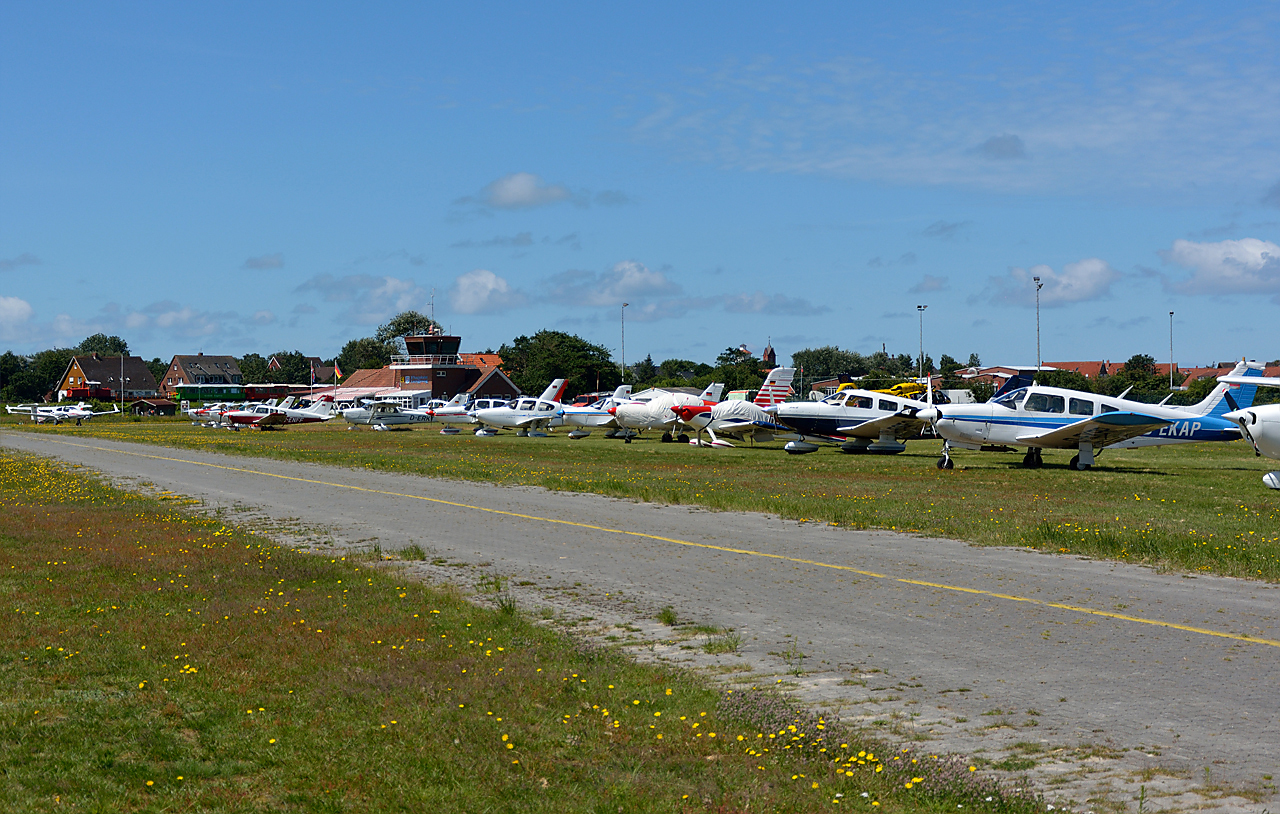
1040, 418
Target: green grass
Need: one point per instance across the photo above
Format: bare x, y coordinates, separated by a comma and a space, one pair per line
152, 661
1192, 508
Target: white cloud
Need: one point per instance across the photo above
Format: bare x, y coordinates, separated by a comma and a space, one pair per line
625, 282
1088, 279
1248, 266
483, 292
771, 304
519, 190
265, 261
263, 317
371, 298
14, 314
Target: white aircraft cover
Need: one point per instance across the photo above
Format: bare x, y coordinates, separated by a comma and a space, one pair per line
736, 411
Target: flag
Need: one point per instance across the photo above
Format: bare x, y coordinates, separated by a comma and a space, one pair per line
337, 371
313, 374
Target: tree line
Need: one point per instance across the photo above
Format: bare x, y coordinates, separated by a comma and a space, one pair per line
533, 361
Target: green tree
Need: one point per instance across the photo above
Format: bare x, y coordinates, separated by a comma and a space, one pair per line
38, 377
369, 353
644, 371
974, 361
683, 369
829, 362
1066, 379
294, 368
533, 362
253, 368
405, 323
11, 365
104, 345
158, 368
738, 369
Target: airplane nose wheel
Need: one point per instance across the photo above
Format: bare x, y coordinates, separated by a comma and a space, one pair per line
1075, 464
945, 461
1032, 460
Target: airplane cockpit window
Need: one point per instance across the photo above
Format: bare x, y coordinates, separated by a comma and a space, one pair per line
1012, 399
887, 405
1081, 407
545, 406
1045, 403
861, 402
526, 404
836, 399
1107, 408
599, 405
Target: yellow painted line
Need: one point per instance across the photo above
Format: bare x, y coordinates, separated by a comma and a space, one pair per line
726, 549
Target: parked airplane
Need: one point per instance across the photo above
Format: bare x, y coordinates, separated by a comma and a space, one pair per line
873, 421
857, 420
1041, 418
741, 420
1261, 425
264, 416
382, 415
595, 416
651, 410
57, 413
523, 414
462, 414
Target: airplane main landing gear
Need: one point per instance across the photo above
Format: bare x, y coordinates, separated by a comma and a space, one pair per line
1075, 464
682, 438
666, 437
1033, 459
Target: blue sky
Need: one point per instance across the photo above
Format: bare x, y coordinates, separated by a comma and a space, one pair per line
255, 177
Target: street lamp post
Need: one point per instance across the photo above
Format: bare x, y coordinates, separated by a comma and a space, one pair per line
1039, 285
624, 342
1171, 350
921, 308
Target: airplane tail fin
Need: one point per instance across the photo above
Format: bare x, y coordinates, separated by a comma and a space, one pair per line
1234, 396
622, 393
1023, 378
776, 387
554, 390
712, 393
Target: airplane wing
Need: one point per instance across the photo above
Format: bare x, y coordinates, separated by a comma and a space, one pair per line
272, 420
900, 424
1100, 430
112, 411
734, 427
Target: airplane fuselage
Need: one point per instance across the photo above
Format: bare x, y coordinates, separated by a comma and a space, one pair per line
1043, 409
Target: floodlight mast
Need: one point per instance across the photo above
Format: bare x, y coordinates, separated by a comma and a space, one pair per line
1170, 350
921, 308
1039, 285
624, 342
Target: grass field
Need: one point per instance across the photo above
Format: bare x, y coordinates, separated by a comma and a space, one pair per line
154, 661
1194, 508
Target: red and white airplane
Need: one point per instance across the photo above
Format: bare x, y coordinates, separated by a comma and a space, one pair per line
741, 420
264, 416
651, 410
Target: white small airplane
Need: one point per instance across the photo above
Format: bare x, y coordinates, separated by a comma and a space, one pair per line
1039, 418
651, 410
1261, 424
265, 416
462, 413
742, 420
858, 420
524, 414
57, 413
383, 415
596, 416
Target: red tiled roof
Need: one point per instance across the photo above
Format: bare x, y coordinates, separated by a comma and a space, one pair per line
1090, 370
371, 377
